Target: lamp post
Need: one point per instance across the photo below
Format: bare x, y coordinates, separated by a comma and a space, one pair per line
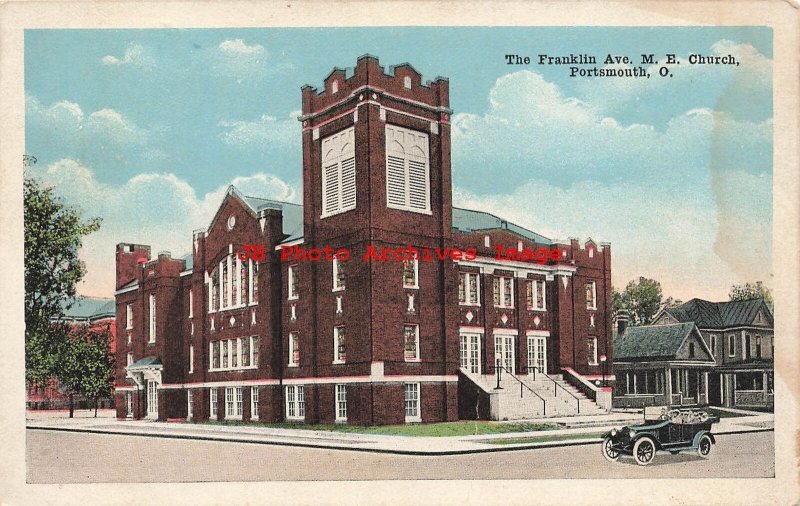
603, 361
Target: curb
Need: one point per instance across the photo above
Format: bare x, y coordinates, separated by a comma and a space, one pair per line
223, 439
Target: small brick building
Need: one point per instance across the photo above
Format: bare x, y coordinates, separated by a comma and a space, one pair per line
217, 335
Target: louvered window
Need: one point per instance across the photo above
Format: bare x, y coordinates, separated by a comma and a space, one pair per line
407, 170
338, 173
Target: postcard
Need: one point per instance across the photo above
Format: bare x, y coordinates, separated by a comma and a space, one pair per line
400, 252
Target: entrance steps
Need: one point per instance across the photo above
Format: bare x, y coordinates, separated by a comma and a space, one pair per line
523, 397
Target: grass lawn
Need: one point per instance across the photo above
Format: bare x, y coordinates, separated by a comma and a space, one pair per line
462, 428
542, 439
723, 414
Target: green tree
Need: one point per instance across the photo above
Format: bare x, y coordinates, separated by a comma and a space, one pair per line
53, 233
755, 290
85, 367
642, 298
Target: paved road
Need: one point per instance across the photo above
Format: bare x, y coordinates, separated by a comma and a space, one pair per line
60, 457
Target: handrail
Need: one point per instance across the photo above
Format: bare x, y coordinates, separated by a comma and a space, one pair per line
557, 385
522, 384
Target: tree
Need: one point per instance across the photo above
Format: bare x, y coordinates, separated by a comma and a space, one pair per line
84, 365
747, 291
53, 232
641, 298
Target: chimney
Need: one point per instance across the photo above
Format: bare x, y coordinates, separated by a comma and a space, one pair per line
621, 321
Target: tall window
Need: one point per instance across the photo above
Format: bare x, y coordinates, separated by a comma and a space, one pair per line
407, 170
243, 281
591, 350
468, 288
129, 316
224, 353
245, 351
503, 291
341, 403
731, 345
191, 359
294, 349
191, 303
591, 295
255, 284
713, 340
233, 402
225, 281
254, 403
535, 291
234, 344
152, 318
411, 341
758, 346
410, 273
746, 346
412, 402
691, 350
214, 353
295, 402
214, 291
213, 402
292, 280
339, 347
254, 351
130, 358
189, 405
338, 173
338, 275
470, 353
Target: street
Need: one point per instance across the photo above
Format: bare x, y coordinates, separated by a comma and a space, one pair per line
61, 457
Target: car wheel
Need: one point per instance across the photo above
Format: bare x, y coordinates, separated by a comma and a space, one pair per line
704, 448
608, 452
644, 451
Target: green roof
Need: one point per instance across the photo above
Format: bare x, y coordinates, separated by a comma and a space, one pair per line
145, 362
89, 308
468, 220
720, 315
651, 341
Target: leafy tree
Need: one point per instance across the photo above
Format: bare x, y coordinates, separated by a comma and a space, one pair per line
84, 365
670, 302
641, 298
755, 290
53, 233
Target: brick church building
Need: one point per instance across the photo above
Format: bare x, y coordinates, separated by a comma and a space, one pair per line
370, 342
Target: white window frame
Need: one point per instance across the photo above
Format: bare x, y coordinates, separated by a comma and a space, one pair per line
731, 345
189, 405
416, 274
233, 403
341, 145
290, 275
152, 399
503, 280
212, 401
291, 348
191, 303
128, 316
191, 359
336, 357
414, 414
227, 346
295, 402
336, 286
593, 359
152, 326
467, 291
713, 339
465, 348
593, 304
340, 408
416, 358
534, 356
535, 284
393, 133
254, 403
130, 358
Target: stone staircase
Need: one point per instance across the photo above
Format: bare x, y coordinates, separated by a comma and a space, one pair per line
525, 397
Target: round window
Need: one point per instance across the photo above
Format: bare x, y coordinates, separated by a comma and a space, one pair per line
231, 222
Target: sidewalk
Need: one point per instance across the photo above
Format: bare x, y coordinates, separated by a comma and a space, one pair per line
403, 445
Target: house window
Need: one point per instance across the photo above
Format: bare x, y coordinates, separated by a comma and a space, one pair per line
129, 316
468, 288
214, 353
713, 345
536, 297
254, 403
731, 345
338, 275
341, 403
407, 170
233, 402
750, 381
225, 282
254, 298
191, 303
676, 381
503, 291
214, 291
407, 82
339, 347
234, 344
295, 402
254, 351
746, 346
243, 282
213, 402
191, 359
411, 342
410, 273
758, 346
412, 402
130, 358
245, 350
294, 349
152, 329
129, 404
691, 350
591, 350
292, 279
338, 173
224, 353
591, 295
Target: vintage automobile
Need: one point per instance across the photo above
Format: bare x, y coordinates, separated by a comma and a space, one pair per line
674, 431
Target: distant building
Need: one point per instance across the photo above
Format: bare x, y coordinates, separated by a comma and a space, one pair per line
99, 314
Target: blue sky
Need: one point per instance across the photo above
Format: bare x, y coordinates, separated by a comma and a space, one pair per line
675, 172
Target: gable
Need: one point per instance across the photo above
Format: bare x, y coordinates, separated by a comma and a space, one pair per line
761, 319
664, 319
693, 340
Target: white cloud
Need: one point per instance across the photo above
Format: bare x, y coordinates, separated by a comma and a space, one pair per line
262, 131
135, 55
156, 209
239, 47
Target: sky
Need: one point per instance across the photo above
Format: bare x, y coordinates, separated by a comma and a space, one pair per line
146, 129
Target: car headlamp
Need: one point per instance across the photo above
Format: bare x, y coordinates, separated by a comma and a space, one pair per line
631, 432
